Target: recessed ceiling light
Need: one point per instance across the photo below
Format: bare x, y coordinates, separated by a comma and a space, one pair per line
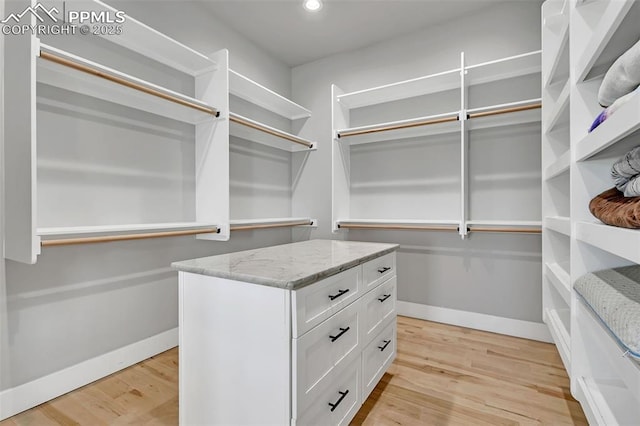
312, 5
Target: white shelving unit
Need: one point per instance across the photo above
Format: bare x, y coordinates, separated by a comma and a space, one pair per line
34, 63
466, 106
556, 161
256, 131
603, 379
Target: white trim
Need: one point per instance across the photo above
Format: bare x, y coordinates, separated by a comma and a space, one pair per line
509, 326
28, 395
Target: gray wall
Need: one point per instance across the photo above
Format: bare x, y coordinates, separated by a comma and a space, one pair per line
492, 274
80, 302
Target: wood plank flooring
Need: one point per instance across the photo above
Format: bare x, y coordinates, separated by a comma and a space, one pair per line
443, 375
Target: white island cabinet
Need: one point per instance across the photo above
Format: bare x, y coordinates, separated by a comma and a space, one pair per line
294, 334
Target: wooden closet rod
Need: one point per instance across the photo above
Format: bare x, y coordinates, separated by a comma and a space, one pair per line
273, 132
271, 225
119, 80
504, 110
505, 230
125, 237
399, 227
398, 126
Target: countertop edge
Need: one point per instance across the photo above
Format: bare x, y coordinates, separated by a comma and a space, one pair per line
285, 285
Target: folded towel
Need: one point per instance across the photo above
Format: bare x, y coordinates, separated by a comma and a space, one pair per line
625, 173
608, 112
622, 78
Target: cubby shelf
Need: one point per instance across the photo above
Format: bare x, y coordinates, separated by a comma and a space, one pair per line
561, 165
599, 53
257, 94
621, 242
560, 279
621, 124
182, 108
559, 114
560, 47
558, 321
279, 222
561, 224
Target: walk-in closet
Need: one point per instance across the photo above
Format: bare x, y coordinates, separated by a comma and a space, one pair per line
320, 212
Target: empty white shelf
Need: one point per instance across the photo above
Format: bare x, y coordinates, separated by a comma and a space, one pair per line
419, 86
254, 131
598, 54
560, 224
558, 321
279, 222
56, 236
182, 108
561, 165
609, 403
559, 114
402, 129
559, 51
621, 124
621, 242
560, 279
502, 69
249, 90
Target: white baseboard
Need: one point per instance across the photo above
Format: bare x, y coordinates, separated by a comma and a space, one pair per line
28, 395
510, 327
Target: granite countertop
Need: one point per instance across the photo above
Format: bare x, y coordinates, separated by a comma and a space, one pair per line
289, 266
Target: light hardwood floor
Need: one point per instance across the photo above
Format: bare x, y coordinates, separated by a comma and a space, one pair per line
443, 375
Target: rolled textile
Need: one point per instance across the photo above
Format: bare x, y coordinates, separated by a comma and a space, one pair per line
613, 208
609, 111
622, 77
625, 173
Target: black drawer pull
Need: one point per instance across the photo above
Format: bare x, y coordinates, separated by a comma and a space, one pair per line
384, 297
386, 343
339, 335
384, 269
340, 293
342, 395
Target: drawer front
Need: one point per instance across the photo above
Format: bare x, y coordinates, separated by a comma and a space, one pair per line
378, 306
326, 348
317, 302
337, 402
378, 270
377, 357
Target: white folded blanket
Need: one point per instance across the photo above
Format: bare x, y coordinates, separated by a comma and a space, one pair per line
626, 173
623, 77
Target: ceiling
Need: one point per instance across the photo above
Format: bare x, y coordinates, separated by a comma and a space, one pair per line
286, 30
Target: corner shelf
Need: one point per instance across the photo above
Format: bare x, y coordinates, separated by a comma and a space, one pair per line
621, 124
561, 224
247, 89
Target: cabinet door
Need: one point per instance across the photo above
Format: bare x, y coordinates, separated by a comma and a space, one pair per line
378, 306
326, 348
377, 357
317, 302
378, 270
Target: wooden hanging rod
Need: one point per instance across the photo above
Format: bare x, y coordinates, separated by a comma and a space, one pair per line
425, 122
504, 110
273, 132
505, 229
125, 237
124, 82
398, 227
271, 225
